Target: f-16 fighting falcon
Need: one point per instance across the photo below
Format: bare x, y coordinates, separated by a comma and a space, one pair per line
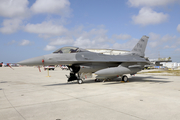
82, 63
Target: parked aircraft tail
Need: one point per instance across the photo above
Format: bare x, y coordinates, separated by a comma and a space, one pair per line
140, 47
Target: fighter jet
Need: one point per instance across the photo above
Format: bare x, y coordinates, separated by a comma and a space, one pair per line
83, 63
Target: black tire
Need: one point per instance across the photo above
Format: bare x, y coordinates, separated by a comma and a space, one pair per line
125, 78
97, 80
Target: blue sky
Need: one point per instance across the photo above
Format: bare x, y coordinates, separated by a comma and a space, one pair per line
31, 28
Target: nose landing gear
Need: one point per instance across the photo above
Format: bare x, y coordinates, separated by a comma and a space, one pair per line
74, 75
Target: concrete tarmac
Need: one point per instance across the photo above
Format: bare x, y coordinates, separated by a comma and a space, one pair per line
27, 94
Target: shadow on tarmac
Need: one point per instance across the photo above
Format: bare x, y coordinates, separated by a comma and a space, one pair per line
149, 79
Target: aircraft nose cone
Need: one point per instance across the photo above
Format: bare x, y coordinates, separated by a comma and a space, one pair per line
32, 61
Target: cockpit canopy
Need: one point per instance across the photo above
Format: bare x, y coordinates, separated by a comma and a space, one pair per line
70, 50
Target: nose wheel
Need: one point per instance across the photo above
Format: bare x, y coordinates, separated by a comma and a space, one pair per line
80, 81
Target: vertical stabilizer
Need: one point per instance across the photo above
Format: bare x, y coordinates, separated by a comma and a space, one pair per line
140, 47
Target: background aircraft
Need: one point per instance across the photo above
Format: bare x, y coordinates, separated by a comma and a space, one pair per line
83, 63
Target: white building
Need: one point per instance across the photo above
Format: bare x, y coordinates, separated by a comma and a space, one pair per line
178, 64
108, 51
173, 65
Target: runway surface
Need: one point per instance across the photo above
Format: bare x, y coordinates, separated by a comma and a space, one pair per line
27, 94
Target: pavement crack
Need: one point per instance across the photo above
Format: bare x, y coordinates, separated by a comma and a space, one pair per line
112, 109
80, 98
13, 106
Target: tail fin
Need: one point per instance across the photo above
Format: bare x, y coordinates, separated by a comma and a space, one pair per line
140, 47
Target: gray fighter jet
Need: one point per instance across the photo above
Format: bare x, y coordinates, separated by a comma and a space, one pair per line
83, 63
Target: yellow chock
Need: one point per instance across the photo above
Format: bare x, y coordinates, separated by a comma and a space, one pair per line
123, 81
48, 73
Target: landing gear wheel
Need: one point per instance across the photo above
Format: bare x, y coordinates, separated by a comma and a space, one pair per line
97, 80
80, 81
125, 78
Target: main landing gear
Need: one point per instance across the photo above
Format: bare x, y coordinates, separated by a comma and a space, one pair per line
124, 78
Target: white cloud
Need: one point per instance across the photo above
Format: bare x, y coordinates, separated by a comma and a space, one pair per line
17, 11
178, 28
49, 48
98, 32
96, 35
95, 38
126, 46
167, 46
178, 39
13, 8
147, 16
154, 44
88, 43
161, 43
154, 36
163, 46
62, 41
10, 25
150, 3
46, 29
25, 42
122, 36
11, 42
156, 40
168, 38
165, 38
60, 7
83, 42
178, 50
